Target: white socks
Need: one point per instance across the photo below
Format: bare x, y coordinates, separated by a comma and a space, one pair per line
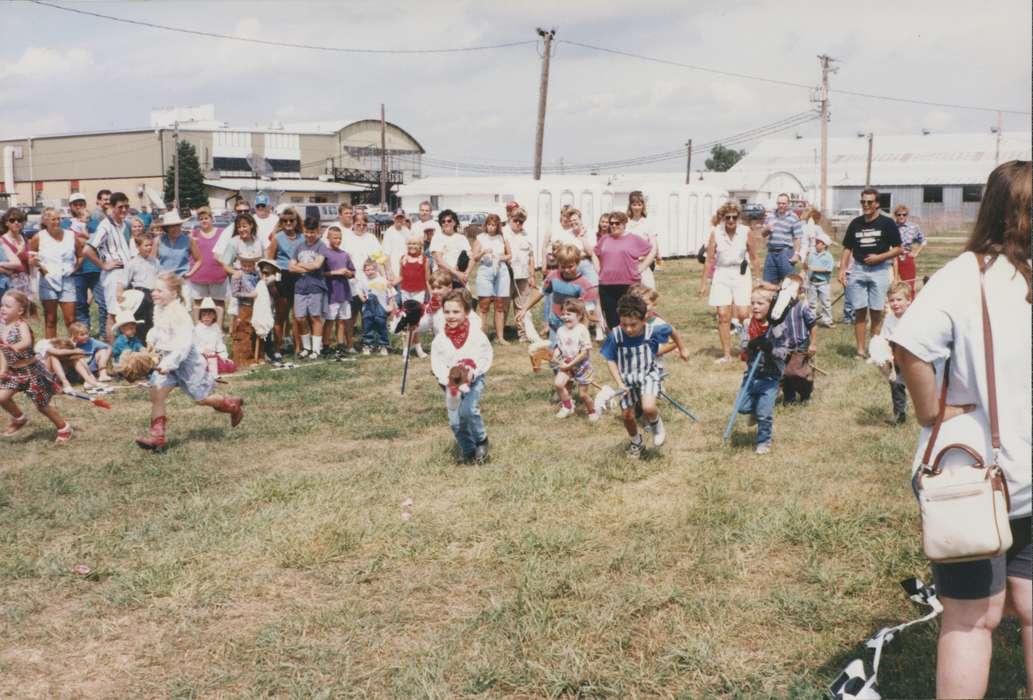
317, 344
306, 341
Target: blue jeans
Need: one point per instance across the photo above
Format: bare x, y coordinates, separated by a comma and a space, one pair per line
85, 281
777, 265
867, 285
466, 422
760, 401
374, 324
820, 301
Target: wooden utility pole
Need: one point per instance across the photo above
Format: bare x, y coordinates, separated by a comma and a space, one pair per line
175, 167
688, 161
543, 92
383, 160
868, 167
823, 98
997, 148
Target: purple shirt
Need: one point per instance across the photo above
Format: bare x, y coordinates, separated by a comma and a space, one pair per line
618, 258
340, 290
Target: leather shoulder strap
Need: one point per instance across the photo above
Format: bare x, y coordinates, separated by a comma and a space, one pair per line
939, 414
988, 352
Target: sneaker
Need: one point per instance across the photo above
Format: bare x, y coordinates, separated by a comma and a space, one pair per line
634, 450
659, 434
722, 360
419, 352
593, 417
752, 420
350, 351
64, 434
763, 448
564, 412
480, 453
304, 354
366, 351
383, 352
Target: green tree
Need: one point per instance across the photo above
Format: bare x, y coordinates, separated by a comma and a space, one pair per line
721, 158
192, 190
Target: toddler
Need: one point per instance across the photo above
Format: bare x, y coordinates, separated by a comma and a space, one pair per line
819, 275
208, 336
899, 299
571, 358
93, 366
126, 338
376, 304
631, 355
142, 274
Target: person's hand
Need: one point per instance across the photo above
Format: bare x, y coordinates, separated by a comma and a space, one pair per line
872, 259
532, 281
161, 370
186, 275
461, 276
520, 316
120, 298
842, 278
684, 355
794, 259
759, 344
702, 287
812, 350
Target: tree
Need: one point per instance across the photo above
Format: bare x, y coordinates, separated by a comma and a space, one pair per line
192, 190
721, 158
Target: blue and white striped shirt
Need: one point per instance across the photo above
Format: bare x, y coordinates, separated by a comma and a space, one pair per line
783, 230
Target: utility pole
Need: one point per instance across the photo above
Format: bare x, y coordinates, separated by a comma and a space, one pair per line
383, 160
997, 148
543, 91
688, 161
823, 99
175, 166
868, 167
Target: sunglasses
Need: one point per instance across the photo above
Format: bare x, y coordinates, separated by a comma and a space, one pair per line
869, 201
15, 221
288, 220
614, 222
901, 213
731, 217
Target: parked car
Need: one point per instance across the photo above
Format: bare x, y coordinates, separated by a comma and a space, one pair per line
842, 218
471, 218
753, 211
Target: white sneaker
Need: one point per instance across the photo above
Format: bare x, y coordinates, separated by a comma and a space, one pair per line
763, 448
366, 351
564, 412
350, 350
593, 417
659, 434
405, 354
383, 352
419, 352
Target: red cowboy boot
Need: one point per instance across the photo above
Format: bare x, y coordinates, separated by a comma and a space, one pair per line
155, 441
233, 405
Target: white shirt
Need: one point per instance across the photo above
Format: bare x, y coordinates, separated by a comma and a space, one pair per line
266, 227
583, 243
520, 248
209, 340
450, 247
421, 227
444, 355
640, 227
359, 248
393, 244
946, 320
730, 252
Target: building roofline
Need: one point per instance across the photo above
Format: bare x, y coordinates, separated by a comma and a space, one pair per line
388, 123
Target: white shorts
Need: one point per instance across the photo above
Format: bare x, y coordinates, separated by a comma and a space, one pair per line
729, 287
339, 312
198, 292
420, 296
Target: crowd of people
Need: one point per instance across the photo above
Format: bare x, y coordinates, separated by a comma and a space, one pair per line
284, 284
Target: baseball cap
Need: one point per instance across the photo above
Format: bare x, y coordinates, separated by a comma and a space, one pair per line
511, 206
399, 212
262, 200
76, 197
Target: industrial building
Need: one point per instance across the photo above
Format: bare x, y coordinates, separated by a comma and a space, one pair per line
328, 161
939, 177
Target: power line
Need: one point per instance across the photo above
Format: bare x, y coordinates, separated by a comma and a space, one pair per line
281, 44
787, 83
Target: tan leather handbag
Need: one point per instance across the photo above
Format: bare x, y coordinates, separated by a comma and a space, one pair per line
965, 507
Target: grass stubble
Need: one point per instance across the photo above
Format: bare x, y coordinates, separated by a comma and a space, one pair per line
273, 560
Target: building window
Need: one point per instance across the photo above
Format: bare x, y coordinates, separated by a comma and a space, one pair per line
885, 201
932, 194
971, 193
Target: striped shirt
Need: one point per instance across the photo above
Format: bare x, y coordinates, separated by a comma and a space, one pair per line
783, 230
910, 235
112, 241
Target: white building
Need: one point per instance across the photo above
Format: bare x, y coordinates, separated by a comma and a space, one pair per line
681, 212
940, 177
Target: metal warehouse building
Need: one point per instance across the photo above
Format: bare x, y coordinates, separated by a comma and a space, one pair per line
939, 177
327, 161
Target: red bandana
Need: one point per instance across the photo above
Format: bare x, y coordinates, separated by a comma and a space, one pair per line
458, 334
433, 305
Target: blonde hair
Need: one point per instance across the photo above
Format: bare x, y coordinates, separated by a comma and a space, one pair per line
172, 281
518, 214
566, 255
900, 288
646, 294
441, 278
204, 210
725, 208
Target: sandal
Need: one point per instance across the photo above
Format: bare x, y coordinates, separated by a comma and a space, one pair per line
64, 434
16, 424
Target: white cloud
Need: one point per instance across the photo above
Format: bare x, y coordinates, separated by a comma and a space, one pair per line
46, 64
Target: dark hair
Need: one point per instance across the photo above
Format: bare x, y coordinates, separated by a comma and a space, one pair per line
448, 213
460, 295
12, 213
101, 193
631, 305
245, 216
311, 222
1003, 223
637, 196
870, 190
118, 198
344, 206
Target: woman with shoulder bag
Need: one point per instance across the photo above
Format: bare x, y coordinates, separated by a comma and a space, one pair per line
984, 408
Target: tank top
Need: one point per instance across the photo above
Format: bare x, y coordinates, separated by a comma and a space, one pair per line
58, 257
285, 249
730, 251
174, 257
211, 270
413, 277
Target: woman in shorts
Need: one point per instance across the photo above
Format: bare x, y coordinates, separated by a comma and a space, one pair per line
728, 273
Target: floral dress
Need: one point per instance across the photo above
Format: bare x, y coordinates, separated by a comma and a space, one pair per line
33, 379
18, 280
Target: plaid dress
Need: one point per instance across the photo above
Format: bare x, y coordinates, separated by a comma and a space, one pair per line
33, 379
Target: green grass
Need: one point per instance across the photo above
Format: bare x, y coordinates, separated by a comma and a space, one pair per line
273, 560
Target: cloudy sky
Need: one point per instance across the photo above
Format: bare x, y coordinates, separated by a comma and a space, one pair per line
66, 72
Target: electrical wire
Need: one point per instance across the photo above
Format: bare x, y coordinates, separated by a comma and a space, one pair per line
280, 44
786, 83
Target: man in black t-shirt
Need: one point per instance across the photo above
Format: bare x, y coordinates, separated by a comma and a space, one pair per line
873, 241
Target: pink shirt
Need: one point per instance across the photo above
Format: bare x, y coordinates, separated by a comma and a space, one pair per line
211, 270
618, 258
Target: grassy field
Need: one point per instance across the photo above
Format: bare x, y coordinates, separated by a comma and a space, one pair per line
274, 559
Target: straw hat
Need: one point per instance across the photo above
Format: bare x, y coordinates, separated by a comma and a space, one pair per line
122, 318
171, 218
